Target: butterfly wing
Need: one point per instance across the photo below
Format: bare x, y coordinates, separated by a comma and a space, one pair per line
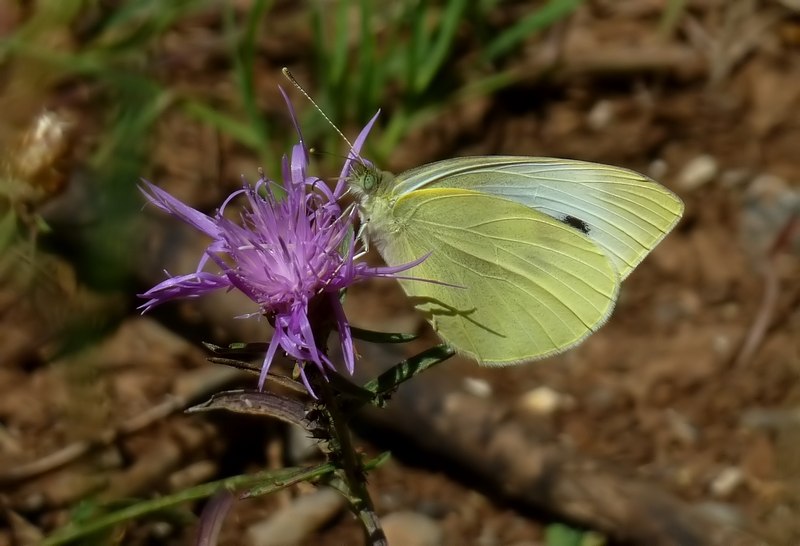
623, 212
525, 285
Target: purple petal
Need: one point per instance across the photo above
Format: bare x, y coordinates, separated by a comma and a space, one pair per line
171, 205
307, 385
183, 286
274, 343
345, 336
292, 115
299, 163
214, 514
353, 155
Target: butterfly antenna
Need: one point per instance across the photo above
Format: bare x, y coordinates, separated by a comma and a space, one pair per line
303, 91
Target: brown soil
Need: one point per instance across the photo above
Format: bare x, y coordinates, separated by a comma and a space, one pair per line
670, 389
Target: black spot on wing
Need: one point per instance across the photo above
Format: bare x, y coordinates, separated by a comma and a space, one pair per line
577, 223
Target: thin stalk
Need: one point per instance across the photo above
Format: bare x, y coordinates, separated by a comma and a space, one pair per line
342, 453
354, 475
278, 480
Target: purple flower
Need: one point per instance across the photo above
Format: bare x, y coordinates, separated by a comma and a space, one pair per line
293, 252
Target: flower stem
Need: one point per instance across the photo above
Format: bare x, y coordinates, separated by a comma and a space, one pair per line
353, 483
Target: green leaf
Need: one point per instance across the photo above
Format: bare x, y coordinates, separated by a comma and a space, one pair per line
381, 337
560, 534
388, 381
284, 408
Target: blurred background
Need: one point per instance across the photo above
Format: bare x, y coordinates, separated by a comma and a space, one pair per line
691, 389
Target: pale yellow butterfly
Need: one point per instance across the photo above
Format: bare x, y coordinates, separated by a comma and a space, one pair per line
531, 250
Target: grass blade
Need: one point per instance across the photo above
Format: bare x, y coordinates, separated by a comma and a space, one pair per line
243, 132
539, 20
437, 54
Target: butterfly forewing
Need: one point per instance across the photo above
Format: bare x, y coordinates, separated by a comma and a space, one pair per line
624, 213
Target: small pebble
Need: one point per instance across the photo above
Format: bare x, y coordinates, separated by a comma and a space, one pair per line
657, 169
767, 187
544, 401
433, 508
294, 523
199, 472
601, 115
393, 498
477, 387
722, 344
300, 446
698, 172
412, 529
161, 530
726, 482
769, 203
723, 513
735, 178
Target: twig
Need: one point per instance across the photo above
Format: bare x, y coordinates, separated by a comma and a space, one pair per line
213, 379
476, 436
763, 318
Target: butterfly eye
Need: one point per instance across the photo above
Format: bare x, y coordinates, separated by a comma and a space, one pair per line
370, 180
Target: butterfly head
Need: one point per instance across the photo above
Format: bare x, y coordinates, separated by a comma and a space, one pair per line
366, 181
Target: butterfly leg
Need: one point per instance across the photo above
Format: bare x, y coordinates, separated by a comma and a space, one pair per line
362, 234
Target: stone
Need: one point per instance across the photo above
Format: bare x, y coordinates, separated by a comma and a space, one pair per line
294, 523
697, 173
412, 529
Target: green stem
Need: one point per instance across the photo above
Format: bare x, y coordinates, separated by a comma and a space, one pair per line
279, 480
354, 478
260, 483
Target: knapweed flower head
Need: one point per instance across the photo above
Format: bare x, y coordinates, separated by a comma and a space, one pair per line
293, 248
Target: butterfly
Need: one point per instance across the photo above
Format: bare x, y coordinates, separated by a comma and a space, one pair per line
527, 254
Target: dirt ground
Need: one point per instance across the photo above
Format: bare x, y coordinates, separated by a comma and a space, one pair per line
692, 385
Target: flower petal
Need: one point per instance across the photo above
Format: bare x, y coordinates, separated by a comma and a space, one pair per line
354, 155
176, 207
